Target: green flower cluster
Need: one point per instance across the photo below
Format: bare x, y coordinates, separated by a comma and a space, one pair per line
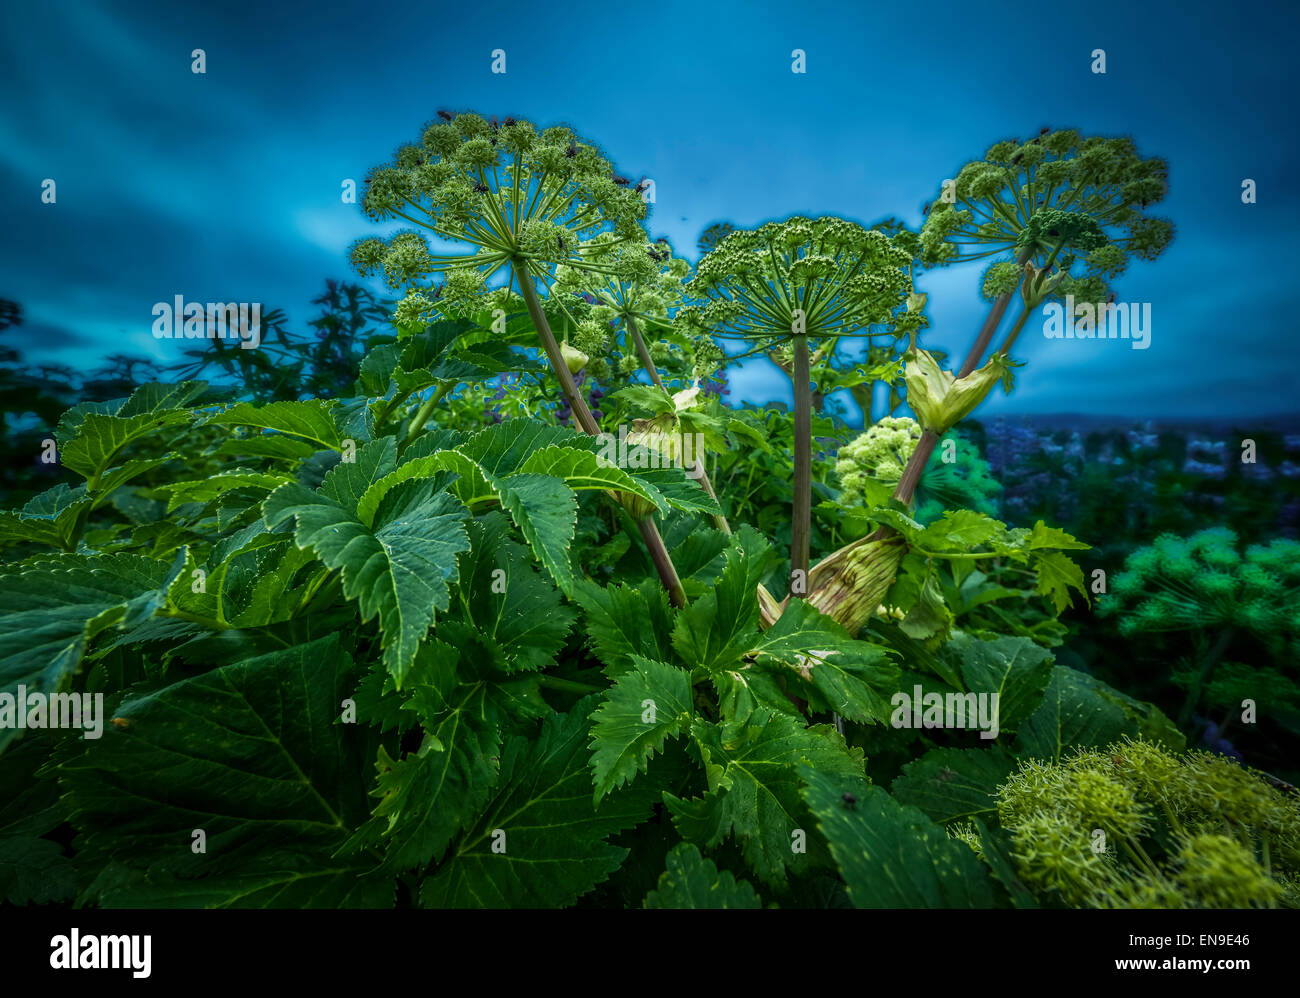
1204, 581
1133, 826
1059, 197
630, 281
815, 277
870, 466
516, 195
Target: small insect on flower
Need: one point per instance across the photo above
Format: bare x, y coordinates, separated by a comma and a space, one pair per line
481, 187
492, 123
850, 801
621, 181
121, 722
509, 121
925, 209
571, 151
641, 185
445, 115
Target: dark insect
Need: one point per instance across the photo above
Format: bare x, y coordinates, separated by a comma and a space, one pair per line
492, 122
571, 151
926, 209
641, 185
481, 187
509, 121
559, 242
1016, 158
850, 801
1043, 131
945, 775
437, 291
445, 115
621, 181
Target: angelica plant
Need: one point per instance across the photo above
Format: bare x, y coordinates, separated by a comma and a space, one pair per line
802, 281
524, 202
1070, 212
639, 285
1064, 214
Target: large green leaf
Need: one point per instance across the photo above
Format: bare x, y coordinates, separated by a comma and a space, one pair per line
1015, 669
100, 438
891, 855
50, 518
311, 420
646, 706
428, 796
505, 610
753, 780
623, 622
715, 631
951, 784
51, 610
253, 755
540, 842
828, 667
1080, 711
691, 881
399, 567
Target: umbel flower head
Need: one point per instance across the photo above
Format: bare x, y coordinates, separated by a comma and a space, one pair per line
506, 195
1077, 203
820, 277
625, 281
1192, 831
1205, 581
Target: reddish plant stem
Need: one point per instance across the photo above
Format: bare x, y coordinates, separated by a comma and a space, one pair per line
801, 512
663, 562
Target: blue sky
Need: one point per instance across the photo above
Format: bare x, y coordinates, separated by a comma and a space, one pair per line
226, 186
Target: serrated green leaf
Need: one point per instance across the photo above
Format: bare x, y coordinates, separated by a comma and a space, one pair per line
51, 610
399, 567
951, 784
251, 754
50, 518
550, 841
311, 420
830, 669
1015, 669
891, 855
715, 631
623, 622
1074, 712
753, 796
504, 605
647, 705
100, 438
691, 881
429, 796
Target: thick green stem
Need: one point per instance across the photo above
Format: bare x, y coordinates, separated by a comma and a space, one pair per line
697, 470
426, 409
801, 514
654, 542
